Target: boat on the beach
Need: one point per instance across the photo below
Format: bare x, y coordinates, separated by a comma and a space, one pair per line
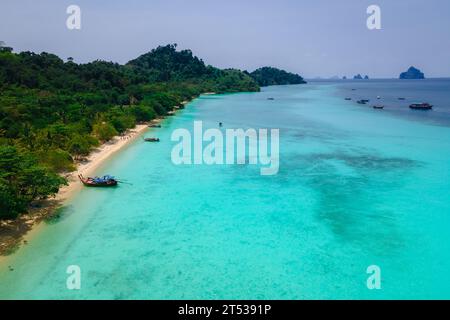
151, 139
154, 126
421, 106
105, 181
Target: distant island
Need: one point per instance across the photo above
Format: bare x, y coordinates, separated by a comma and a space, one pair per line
412, 73
269, 76
360, 77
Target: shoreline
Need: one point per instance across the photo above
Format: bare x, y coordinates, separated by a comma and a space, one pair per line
14, 233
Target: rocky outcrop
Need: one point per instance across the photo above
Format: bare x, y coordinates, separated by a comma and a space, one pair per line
360, 77
412, 73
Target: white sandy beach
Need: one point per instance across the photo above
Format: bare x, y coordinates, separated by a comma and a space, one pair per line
96, 158
86, 168
26, 226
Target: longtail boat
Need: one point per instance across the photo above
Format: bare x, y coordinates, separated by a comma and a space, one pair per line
105, 181
421, 106
151, 139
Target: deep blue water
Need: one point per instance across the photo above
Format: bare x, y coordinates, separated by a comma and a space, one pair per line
434, 91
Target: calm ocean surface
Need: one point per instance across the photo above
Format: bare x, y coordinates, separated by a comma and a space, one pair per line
356, 187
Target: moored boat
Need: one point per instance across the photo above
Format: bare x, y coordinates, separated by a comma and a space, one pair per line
151, 139
105, 181
378, 107
421, 106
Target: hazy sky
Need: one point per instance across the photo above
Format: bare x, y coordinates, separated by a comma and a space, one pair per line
311, 37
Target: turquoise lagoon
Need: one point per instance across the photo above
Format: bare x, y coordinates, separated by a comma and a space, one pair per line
356, 187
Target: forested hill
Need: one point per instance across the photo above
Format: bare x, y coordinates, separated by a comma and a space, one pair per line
54, 111
269, 76
168, 64
165, 63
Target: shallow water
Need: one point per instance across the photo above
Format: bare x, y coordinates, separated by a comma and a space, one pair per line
356, 187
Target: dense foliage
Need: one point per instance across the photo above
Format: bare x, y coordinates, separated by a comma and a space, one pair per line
22, 180
269, 76
167, 64
52, 112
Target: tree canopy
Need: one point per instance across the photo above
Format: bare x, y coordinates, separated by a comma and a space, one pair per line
269, 76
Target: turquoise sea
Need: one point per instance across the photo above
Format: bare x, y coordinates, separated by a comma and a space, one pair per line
356, 187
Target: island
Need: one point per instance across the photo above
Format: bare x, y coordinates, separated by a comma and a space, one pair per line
412, 73
55, 112
360, 77
269, 76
